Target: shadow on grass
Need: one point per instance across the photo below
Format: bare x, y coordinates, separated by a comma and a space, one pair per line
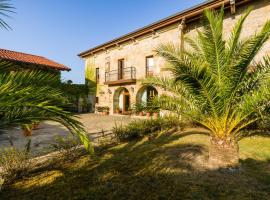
158, 169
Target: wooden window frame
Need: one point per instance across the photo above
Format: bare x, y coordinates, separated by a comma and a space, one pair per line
121, 71
146, 66
97, 75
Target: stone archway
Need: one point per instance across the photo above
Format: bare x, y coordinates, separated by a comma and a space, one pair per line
145, 94
121, 100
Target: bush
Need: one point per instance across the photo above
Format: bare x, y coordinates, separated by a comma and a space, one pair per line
102, 108
140, 128
67, 146
105, 142
14, 163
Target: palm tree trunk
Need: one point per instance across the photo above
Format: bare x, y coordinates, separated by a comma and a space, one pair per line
223, 152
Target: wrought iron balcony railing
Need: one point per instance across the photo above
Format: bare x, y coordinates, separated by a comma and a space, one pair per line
126, 75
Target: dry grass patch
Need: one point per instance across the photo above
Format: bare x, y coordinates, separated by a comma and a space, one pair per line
169, 166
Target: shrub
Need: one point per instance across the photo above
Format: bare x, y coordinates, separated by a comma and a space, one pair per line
14, 163
138, 107
67, 146
105, 142
102, 108
1, 183
140, 128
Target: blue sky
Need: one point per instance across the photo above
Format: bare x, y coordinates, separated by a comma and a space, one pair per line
60, 29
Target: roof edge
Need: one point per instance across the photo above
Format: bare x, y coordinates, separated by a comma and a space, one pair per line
187, 14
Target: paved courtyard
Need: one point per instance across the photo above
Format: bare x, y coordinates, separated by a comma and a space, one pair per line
45, 134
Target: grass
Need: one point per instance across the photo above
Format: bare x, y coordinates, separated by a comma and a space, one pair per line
167, 167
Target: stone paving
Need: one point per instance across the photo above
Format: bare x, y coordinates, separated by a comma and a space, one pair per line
47, 131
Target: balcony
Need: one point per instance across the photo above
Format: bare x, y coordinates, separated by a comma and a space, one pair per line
120, 77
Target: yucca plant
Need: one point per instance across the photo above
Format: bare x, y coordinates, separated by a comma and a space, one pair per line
217, 83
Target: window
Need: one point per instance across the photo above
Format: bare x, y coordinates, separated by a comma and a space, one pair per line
96, 99
107, 64
149, 65
121, 69
97, 75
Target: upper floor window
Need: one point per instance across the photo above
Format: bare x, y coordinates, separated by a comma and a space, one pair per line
107, 64
121, 65
149, 65
97, 75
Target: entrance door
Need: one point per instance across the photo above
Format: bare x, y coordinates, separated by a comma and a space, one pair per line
120, 69
126, 104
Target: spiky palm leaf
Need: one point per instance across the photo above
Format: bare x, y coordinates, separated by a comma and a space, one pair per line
5, 9
213, 82
27, 97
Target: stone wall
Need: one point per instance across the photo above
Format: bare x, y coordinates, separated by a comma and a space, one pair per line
134, 53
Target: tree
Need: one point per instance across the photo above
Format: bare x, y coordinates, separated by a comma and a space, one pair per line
217, 83
28, 96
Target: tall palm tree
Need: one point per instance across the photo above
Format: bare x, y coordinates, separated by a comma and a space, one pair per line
27, 96
217, 83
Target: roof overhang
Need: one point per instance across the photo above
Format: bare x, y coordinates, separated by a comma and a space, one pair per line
188, 14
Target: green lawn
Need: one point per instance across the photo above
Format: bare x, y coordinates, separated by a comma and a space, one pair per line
167, 167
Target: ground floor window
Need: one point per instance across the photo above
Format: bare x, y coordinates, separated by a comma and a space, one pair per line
145, 94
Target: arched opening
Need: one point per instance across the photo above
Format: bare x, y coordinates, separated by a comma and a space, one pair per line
145, 94
121, 101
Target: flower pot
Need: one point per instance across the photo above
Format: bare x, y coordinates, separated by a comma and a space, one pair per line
27, 132
117, 111
148, 114
35, 126
155, 115
105, 113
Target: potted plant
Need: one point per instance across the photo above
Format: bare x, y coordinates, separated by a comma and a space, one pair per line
27, 129
148, 110
106, 110
138, 109
117, 110
155, 111
35, 125
99, 109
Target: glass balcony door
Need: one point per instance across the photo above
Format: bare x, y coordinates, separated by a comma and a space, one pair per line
121, 66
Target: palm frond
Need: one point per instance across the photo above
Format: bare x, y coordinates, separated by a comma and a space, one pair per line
24, 100
5, 9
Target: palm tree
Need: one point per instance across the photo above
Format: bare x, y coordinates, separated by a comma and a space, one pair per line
29, 96
216, 83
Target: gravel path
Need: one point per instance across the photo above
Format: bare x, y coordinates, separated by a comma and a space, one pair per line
47, 131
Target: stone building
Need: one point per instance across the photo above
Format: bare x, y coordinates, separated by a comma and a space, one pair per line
116, 66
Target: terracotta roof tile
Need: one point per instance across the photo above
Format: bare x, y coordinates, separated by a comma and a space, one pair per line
30, 59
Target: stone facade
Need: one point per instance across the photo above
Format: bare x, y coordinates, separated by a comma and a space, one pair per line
135, 52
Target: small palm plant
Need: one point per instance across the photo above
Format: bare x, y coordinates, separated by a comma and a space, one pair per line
216, 83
